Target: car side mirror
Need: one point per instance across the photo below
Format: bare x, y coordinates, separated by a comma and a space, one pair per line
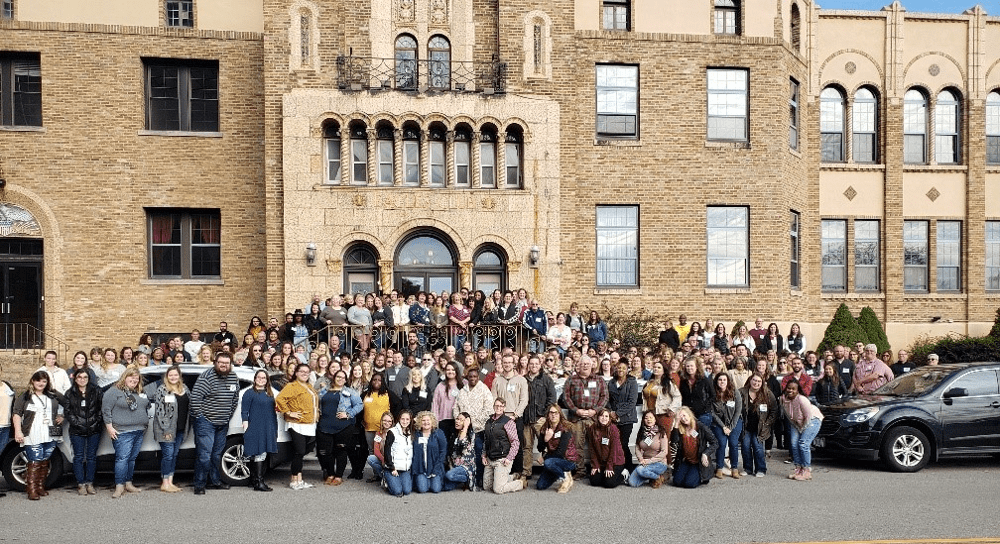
956, 392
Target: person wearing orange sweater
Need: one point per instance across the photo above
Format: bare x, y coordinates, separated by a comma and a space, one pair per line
299, 403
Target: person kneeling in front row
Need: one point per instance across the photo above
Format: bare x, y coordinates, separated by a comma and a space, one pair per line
690, 443
500, 448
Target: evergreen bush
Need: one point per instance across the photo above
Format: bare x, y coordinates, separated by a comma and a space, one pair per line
843, 330
872, 327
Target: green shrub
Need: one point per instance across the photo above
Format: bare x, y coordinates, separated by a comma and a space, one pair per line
636, 328
995, 331
872, 327
955, 348
843, 330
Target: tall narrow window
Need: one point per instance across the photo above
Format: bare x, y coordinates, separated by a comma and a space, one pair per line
795, 26
184, 243
728, 233
914, 127
793, 114
385, 147
439, 65
463, 142
727, 17
411, 155
331, 133
513, 151
915, 256
993, 255
359, 153
305, 39
536, 48
617, 101
866, 256
793, 233
947, 119
20, 89
617, 246
406, 62
865, 127
728, 104
993, 128
833, 245
6, 9
949, 255
616, 16
488, 158
436, 137
180, 13
831, 125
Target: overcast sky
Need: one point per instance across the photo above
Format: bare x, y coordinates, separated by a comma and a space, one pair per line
992, 7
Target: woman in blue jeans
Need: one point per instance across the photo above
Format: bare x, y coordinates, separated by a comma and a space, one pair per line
83, 412
171, 399
727, 424
805, 420
430, 449
558, 451
651, 448
36, 417
462, 455
759, 410
690, 443
397, 452
125, 409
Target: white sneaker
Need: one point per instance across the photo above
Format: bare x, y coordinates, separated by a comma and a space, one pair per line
743, 473
759, 475
625, 473
295, 485
306, 485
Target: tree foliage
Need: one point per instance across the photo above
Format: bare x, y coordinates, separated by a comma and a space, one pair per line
636, 328
843, 330
872, 328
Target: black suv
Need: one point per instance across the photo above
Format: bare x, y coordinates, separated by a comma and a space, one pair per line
931, 412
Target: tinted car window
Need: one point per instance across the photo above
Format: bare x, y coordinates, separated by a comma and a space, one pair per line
915, 383
983, 382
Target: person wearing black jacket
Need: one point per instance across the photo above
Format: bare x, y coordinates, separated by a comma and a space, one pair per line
697, 391
623, 390
771, 340
829, 389
691, 444
415, 397
669, 336
541, 394
82, 405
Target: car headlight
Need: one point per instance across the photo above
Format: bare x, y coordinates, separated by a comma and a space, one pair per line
862, 415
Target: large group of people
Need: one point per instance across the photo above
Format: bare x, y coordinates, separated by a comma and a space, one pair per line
378, 383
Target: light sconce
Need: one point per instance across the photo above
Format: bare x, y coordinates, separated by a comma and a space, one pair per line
534, 254
311, 254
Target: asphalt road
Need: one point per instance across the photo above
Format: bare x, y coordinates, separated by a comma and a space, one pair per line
845, 501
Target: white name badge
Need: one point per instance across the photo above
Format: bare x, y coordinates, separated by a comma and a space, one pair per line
731, 404
763, 408
422, 440
454, 392
232, 388
586, 393
392, 378
142, 395
31, 408
422, 394
605, 441
694, 433
591, 384
170, 398
648, 441
905, 370
538, 320
511, 388
557, 435
845, 370
83, 403
369, 399
378, 439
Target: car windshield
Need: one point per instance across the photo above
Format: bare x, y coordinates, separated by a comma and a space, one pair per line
913, 384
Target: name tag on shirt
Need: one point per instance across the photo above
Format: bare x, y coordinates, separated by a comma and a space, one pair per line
845, 370
31, 408
170, 398
538, 320
586, 393
422, 394
557, 435
454, 392
763, 408
648, 441
693, 433
511, 388
368, 399
591, 384
378, 439
905, 370
422, 440
605, 441
142, 395
392, 378
232, 388
83, 403
731, 404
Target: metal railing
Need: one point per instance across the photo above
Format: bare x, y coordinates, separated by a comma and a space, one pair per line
430, 337
15, 336
381, 74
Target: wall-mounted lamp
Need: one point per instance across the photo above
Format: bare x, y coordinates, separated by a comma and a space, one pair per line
311, 254
534, 254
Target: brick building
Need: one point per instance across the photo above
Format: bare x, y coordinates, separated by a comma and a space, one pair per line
722, 158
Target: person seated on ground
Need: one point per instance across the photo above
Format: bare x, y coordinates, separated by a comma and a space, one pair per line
651, 447
607, 460
691, 442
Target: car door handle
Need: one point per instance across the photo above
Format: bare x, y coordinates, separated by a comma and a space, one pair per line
995, 404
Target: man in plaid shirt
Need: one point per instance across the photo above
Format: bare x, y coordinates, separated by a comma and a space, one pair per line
584, 394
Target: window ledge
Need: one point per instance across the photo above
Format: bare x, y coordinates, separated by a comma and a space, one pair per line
182, 281
617, 291
617, 143
853, 296
727, 145
796, 292
18, 128
851, 167
993, 168
503, 190
935, 297
728, 291
795, 152
935, 168
180, 133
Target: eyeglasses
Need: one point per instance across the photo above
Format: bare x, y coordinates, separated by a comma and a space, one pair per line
553, 412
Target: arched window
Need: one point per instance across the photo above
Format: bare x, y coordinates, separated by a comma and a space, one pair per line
795, 26
439, 55
331, 148
386, 150
359, 153
993, 128
436, 169
915, 127
947, 119
514, 160
488, 157
831, 125
406, 62
425, 261
463, 154
361, 269
489, 269
411, 154
864, 125
727, 17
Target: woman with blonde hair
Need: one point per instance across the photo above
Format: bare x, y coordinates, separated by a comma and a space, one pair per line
125, 409
691, 442
416, 398
430, 449
171, 398
205, 355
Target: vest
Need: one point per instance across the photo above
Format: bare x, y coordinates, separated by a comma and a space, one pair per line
497, 442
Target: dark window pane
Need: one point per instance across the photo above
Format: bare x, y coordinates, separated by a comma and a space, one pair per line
166, 261
205, 261
832, 148
204, 99
993, 149
164, 105
27, 93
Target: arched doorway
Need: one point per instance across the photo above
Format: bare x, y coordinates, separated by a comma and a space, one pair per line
21, 252
425, 261
360, 269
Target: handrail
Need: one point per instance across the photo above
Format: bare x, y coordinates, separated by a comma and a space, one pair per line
420, 75
15, 336
431, 337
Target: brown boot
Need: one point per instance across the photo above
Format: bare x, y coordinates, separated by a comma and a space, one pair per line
657, 482
30, 484
720, 474
736, 474
43, 474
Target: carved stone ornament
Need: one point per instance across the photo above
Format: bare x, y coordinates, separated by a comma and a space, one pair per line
489, 203
850, 193
17, 221
850, 67
933, 194
934, 70
404, 11
360, 200
439, 12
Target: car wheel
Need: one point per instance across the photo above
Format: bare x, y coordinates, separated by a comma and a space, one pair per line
234, 468
906, 449
15, 463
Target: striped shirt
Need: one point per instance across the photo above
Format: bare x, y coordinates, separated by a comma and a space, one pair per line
214, 397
